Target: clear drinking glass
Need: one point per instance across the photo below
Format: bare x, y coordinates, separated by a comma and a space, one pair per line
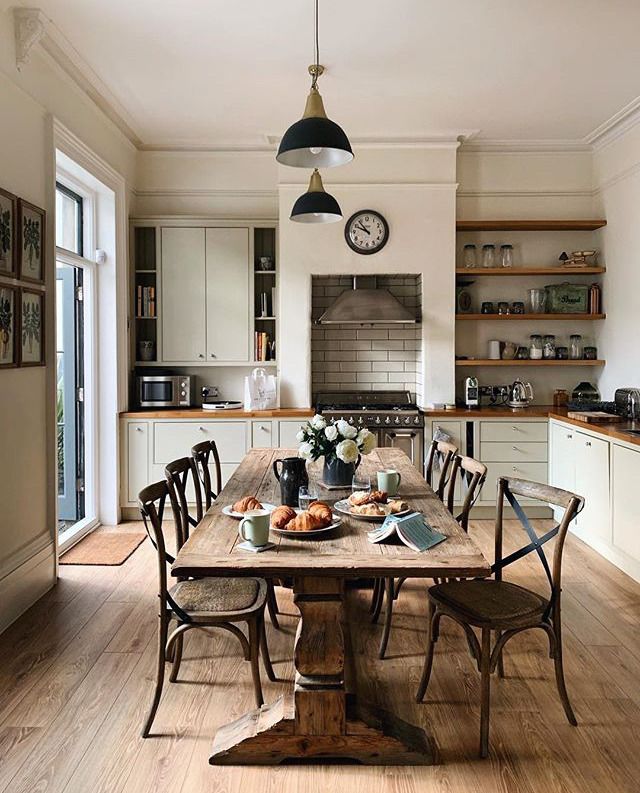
361, 482
488, 256
306, 496
469, 256
537, 300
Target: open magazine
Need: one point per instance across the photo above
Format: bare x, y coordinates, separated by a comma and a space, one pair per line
412, 529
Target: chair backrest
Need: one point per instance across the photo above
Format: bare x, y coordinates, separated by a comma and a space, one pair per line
476, 474
508, 490
151, 502
201, 453
445, 452
178, 473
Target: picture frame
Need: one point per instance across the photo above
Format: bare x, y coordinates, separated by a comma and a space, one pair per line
9, 324
31, 242
8, 234
31, 328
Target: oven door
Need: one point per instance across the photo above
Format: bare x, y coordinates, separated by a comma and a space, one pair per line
411, 442
157, 391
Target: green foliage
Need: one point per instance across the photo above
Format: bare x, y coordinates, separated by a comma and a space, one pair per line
5, 231
31, 323
31, 238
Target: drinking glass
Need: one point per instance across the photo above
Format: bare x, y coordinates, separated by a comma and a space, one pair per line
361, 482
538, 300
306, 496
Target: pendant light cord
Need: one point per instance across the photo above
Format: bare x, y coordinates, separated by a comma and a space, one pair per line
314, 79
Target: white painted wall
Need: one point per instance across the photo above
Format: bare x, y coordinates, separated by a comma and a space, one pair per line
617, 177
27, 396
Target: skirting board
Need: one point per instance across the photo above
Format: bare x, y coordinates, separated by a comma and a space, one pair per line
20, 589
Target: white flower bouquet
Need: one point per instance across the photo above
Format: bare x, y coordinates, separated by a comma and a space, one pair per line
340, 443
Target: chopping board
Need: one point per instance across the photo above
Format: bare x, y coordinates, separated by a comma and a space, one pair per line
594, 416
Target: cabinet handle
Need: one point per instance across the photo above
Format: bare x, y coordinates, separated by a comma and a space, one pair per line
514, 468
200, 355
263, 428
587, 443
138, 429
515, 429
569, 436
213, 355
515, 449
202, 429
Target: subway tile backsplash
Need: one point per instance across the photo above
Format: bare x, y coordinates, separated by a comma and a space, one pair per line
371, 357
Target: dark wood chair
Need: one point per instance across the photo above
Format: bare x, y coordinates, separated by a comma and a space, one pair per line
475, 474
438, 450
200, 603
178, 473
202, 453
492, 604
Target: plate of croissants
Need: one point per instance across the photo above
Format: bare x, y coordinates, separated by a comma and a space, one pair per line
245, 504
302, 524
374, 505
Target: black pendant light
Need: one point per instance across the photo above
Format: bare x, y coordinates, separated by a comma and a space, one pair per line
316, 205
315, 141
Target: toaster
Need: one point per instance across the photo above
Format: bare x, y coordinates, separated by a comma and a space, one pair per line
628, 402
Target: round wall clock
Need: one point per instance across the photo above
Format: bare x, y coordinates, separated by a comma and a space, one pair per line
366, 231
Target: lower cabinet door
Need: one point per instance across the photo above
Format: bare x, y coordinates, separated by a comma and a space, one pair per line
174, 439
536, 472
592, 482
262, 434
626, 512
137, 459
288, 432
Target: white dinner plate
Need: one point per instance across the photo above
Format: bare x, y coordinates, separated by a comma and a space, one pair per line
308, 535
344, 507
239, 515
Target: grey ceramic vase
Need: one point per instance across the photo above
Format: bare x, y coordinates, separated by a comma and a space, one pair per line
336, 472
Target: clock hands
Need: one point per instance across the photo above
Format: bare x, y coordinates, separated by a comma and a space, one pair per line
366, 230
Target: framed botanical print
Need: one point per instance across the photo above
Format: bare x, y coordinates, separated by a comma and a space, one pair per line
31, 328
31, 229
8, 227
8, 326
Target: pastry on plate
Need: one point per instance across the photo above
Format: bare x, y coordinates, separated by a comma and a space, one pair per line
303, 521
281, 516
379, 496
321, 512
398, 505
246, 503
359, 497
372, 509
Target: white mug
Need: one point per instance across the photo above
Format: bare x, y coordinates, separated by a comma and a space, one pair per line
254, 527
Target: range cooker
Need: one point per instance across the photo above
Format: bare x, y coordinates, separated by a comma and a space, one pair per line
392, 415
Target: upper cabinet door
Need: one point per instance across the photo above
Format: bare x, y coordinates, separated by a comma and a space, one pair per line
228, 294
183, 298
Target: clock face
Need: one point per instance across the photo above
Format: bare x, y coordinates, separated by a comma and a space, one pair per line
366, 231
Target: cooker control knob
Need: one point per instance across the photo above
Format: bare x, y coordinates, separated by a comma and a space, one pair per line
350, 419
183, 393
359, 419
396, 420
378, 420
416, 420
407, 420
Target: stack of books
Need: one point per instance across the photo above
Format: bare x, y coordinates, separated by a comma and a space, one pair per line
146, 301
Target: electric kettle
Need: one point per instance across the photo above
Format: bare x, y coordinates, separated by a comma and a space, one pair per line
520, 394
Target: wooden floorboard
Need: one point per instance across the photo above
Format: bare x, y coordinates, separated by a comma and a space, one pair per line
76, 679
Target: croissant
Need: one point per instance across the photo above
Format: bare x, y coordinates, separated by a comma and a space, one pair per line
368, 509
359, 497
321, 512
281, 516
304, 521
398, 506
379, 496
247, 503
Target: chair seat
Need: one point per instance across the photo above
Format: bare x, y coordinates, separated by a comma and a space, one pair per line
219, 596
490, 601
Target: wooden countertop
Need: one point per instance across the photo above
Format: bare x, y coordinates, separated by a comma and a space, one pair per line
198, 413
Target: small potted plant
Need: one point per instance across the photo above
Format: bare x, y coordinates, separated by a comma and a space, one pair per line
341, 445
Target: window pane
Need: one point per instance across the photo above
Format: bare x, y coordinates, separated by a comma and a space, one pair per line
68, 221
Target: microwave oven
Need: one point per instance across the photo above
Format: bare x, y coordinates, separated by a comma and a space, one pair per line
165, 390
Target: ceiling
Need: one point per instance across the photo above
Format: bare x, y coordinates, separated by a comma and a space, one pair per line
215, 73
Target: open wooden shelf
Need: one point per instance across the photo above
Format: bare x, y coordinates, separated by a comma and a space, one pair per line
509, 271
536, 317
527, 362
530, 225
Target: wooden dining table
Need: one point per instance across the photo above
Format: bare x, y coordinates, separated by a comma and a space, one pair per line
322, 722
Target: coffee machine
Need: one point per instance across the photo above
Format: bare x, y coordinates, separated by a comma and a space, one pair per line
471, 392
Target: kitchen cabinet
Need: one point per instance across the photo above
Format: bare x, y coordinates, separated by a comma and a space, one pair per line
183, 295
562, 464
174, 439
263, 434
592, 481
227, 294
288, 432
137, 464
625, 465
205, 295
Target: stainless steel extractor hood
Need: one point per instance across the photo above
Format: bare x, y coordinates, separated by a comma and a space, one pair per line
366, 307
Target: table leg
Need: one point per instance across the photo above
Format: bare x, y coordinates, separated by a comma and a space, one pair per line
326, 724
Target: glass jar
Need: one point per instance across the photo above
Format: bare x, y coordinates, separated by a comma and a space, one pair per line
562, 353
590, 353
575, 347
488, 256
503, 307
506, 255
487, 307
469, 256
549, 347
535, 347
584, 393
560, 397
537, 300
517, 307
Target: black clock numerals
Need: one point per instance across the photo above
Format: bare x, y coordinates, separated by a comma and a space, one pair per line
366, 232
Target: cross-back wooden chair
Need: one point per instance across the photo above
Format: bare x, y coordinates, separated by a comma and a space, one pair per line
201, 453
178, 473
491, 604
475, 474
441, 451
200, 603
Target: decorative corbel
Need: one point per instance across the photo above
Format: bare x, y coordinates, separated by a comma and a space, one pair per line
29, 29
